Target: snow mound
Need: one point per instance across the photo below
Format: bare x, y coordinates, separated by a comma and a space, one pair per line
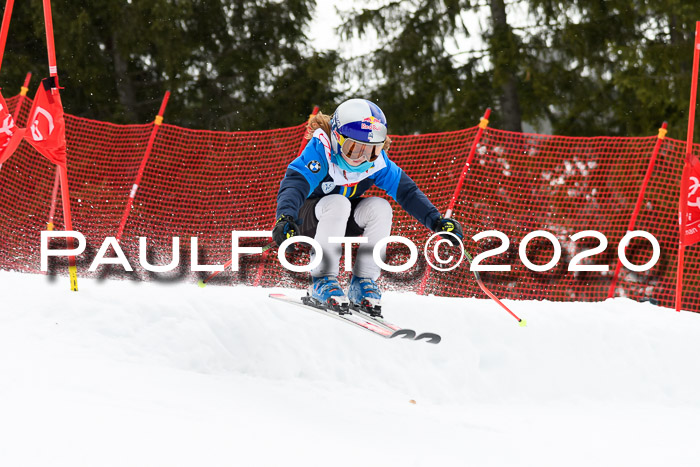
144, 374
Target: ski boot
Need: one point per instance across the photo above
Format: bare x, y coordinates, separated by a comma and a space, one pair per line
365, 296
325, 292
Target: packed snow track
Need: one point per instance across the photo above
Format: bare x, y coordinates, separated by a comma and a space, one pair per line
129, 374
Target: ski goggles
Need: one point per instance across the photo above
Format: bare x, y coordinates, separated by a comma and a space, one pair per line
356, 150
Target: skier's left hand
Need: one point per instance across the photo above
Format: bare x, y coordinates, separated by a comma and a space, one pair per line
449, 225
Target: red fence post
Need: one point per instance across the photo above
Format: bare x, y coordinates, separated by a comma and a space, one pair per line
640, 198
60, 142
149, 147
482, 126
683, 199
5, 27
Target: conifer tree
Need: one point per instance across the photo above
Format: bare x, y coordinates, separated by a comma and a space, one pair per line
230, 65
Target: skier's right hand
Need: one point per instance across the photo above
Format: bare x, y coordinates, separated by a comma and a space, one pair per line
285, 228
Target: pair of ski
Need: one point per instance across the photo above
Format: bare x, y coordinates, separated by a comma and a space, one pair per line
359, 319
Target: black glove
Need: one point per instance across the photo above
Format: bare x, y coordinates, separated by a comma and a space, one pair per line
449, 225
285, 228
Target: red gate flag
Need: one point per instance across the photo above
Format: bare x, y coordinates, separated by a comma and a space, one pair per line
10, 134
46, 128
692, 223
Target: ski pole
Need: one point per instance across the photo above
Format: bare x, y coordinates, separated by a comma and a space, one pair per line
483, 124
522, 322
203, 283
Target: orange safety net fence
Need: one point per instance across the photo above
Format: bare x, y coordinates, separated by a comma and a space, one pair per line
206, 184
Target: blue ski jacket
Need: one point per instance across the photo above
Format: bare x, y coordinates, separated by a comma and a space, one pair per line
314, 175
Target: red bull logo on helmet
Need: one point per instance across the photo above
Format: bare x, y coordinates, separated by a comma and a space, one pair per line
372, 123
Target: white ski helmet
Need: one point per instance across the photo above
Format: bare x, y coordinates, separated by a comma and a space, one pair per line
359, 121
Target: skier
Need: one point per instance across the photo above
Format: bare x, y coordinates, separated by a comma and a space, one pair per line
321, 197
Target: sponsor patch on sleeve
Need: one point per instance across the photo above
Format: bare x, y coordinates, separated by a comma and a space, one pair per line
314, 166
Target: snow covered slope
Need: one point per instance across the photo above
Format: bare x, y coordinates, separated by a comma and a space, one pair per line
144, 374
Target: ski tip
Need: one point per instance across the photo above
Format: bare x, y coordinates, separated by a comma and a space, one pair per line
276, 295
404, 333
201, 284
429, 337
523, 323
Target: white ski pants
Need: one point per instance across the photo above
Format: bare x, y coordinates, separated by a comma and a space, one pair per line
373, 215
